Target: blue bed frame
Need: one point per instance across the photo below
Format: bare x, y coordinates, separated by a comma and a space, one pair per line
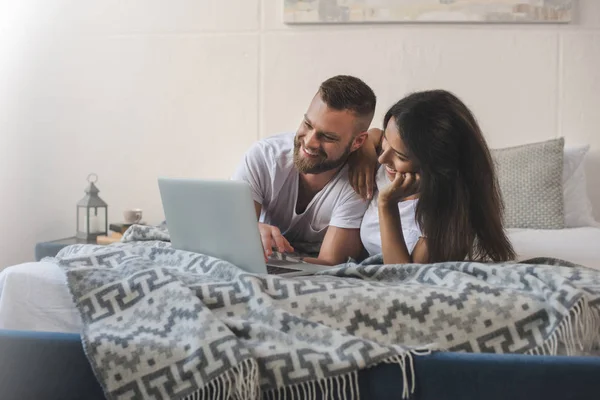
39, 365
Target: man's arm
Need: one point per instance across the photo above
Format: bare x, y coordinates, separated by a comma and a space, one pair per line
342, 239
338, 245
258, 208
254, 170
363, 164
271, 236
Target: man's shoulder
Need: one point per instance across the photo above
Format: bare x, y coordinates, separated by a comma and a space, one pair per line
274, 145
344, 187
348, 206
274, 152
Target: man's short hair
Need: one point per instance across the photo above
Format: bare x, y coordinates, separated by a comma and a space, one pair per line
344, 92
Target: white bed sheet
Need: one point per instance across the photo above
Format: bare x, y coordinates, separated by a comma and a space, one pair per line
34, 296
577, 245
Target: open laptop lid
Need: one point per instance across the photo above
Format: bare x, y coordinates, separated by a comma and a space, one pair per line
213, 217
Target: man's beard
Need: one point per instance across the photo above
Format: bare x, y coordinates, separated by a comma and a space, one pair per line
320, 163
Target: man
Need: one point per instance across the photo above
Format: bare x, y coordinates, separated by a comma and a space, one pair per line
299, 182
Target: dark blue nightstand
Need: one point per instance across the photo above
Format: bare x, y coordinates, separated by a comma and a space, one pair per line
51, 248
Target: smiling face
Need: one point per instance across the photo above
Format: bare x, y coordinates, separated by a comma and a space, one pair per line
395, 157
325, 138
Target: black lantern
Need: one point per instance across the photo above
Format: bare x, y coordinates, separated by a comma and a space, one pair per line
92, 213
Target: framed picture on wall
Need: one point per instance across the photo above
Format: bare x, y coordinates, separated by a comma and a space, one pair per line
473, 11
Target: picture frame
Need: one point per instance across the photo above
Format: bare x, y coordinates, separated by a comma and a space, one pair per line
414, 11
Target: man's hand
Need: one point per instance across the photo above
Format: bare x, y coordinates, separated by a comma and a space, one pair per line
362, 166
271, 237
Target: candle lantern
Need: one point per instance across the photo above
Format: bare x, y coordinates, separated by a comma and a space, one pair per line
92, 213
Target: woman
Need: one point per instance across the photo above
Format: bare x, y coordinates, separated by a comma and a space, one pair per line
438, 197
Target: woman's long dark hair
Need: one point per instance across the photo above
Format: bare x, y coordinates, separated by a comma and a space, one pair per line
460, 207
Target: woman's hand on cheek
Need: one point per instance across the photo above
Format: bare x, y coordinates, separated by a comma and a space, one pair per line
403, 186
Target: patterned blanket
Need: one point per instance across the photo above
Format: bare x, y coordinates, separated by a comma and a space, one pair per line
161, 323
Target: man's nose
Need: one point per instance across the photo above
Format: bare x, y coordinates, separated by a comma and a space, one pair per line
311, 140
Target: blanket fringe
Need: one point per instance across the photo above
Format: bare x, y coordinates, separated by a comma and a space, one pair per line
239, 383
577, 333
346, 386
242, 383
341, 386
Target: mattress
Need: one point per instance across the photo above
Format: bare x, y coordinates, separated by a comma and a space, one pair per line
34, 296
577, 245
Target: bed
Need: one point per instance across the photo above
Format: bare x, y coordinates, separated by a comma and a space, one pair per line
46, 355
40, 340
33, 296
39, 365
577, 245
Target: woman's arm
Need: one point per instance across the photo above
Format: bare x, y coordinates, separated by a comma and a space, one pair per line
393, 245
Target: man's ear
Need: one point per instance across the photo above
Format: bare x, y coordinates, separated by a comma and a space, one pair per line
359, 140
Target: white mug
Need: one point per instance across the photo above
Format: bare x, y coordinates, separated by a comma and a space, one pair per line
132, 216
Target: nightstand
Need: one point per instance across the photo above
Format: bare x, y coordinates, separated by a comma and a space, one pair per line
51, 248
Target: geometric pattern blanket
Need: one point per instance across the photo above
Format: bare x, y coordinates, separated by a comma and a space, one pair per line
160, 323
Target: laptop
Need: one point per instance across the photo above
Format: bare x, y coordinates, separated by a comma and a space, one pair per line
218, 218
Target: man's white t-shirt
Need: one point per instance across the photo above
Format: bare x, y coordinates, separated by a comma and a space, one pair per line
268, 167
370, 233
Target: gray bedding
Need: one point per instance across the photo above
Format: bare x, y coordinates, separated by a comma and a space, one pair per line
162, 323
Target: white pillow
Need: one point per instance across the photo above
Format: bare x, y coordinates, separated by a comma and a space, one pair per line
578, 207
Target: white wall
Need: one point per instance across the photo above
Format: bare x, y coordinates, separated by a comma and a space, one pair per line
140, 88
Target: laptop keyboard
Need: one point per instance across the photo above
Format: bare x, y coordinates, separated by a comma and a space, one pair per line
273, 270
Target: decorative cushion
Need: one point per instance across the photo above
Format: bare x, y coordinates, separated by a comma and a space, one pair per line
578, 206
530, 178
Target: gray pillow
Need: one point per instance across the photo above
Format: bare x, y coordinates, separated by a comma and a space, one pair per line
530, 178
